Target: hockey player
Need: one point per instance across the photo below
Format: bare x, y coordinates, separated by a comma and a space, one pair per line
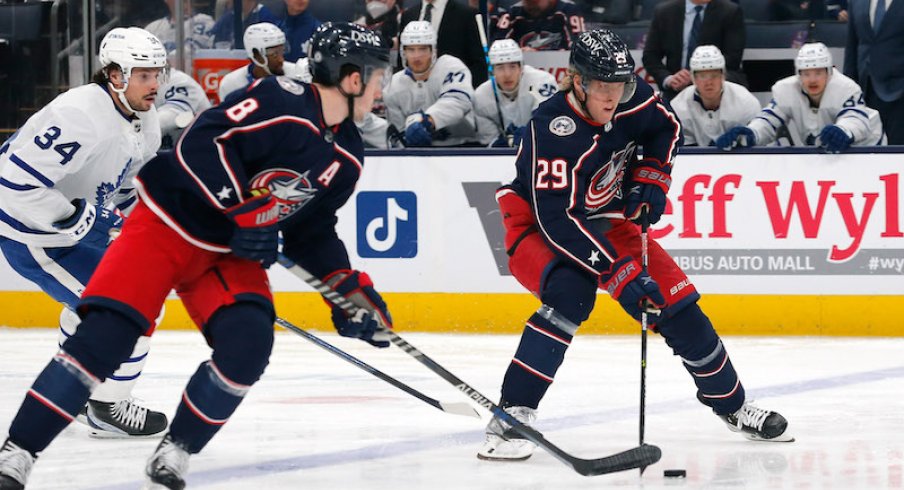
712, 105
265, 45
503, 110
177, 103
282, 157
65, 180
431, 101
820, 107
539, 25
569, 226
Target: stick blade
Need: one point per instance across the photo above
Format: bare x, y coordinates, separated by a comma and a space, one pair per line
459, 409
638, 457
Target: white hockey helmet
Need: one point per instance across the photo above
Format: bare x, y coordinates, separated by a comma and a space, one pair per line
813, 55
131, 47
261, 37
418, 33
505, 51
707, 57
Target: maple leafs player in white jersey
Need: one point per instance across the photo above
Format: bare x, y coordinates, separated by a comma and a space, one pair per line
820, 106
504, 110
177, 103
64, 176
265, 45
712, 105
431, 101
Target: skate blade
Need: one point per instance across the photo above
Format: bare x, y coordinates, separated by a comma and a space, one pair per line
484, 457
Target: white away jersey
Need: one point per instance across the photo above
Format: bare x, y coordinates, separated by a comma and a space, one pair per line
702, 127
198, 32
181, 95
842, 104
535, 87
241, 77
78, 146
446, 96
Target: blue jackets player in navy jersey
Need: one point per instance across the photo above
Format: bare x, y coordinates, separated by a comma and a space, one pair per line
280, 155
569, 219
538, 25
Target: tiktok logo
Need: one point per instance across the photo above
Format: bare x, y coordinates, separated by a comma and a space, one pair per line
387, 224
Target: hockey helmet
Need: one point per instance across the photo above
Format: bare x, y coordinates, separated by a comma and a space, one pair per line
260, 37
599, 54
335, 45
813, 55
705, 58
418, 33
132, 47
505, 51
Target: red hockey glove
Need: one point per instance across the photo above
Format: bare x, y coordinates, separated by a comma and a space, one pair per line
256, 236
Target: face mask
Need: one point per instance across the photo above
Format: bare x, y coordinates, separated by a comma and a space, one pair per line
376, 9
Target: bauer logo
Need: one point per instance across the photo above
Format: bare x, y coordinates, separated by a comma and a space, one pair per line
387, 224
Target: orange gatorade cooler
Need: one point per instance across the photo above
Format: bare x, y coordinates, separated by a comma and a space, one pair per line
210, 65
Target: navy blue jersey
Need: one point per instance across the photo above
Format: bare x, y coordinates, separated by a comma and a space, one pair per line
270, 135
551, 30
573, 170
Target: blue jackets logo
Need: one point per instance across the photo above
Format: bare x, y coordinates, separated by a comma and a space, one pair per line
387, 224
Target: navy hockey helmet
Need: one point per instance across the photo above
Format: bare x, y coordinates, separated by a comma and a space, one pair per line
601, 55
335, 45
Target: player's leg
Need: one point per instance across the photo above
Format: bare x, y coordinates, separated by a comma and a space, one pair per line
234, 308
692, 337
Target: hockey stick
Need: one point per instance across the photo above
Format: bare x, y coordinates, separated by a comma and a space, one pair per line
486, 54
644, 264
453, 408
637, 457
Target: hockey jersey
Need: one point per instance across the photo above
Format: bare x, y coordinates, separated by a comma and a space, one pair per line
78, 146
572, 171
842, 104
271, 135
551, 30
198, 32
181, 95
242, 77
701, 126
446, 96
535, 87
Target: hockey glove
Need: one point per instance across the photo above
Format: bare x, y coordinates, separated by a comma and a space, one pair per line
736, 137
647, 189
419, 130
372, 314
256, 235
835, 139
90, 225
633, 288
516, 133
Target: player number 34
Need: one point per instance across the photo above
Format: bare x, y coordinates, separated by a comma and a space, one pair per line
66, 150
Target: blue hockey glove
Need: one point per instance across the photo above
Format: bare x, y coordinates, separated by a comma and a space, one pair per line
835, 139
634, 289
419, 130
256, 235
647, 189
89, 225
736, 137
501, 142
357, 287
516, 132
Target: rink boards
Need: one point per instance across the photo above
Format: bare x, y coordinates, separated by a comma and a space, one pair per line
777, 243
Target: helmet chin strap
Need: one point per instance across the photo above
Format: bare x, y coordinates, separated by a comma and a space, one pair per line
121, 94
265, 66
351, 98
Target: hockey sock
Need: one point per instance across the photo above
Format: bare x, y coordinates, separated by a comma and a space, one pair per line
544, 341
691, 335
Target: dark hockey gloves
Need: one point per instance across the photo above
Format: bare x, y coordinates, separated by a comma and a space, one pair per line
736, 137
419, 130
357, 287
647, 189
835, 139
511, 138
634, 289
256, 235
89, 225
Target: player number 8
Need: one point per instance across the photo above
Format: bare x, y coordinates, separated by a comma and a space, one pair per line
241, 110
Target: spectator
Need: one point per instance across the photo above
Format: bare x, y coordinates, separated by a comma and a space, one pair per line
820, 107
539, 25
198, 29
456, 30
298, 25
383, 16
265, 45
679, 26
252, 13
504, 110
430, 102
837, 10
609, 11
873, 59
712, 105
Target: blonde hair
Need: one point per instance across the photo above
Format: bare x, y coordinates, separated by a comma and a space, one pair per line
567, 83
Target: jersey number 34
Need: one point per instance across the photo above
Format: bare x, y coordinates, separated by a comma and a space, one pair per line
66, 150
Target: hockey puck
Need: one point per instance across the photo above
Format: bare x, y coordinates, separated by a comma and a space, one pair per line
675, 473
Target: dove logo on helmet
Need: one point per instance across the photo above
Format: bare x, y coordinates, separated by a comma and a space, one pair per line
601, 55
338, 49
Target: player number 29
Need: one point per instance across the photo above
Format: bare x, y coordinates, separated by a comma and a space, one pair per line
551, 174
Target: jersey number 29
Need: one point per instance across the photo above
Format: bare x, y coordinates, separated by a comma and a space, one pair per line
551, 174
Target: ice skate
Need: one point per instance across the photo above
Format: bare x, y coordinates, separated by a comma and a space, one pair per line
15, 465
167, 467
758, 424
123, 419
504, 444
